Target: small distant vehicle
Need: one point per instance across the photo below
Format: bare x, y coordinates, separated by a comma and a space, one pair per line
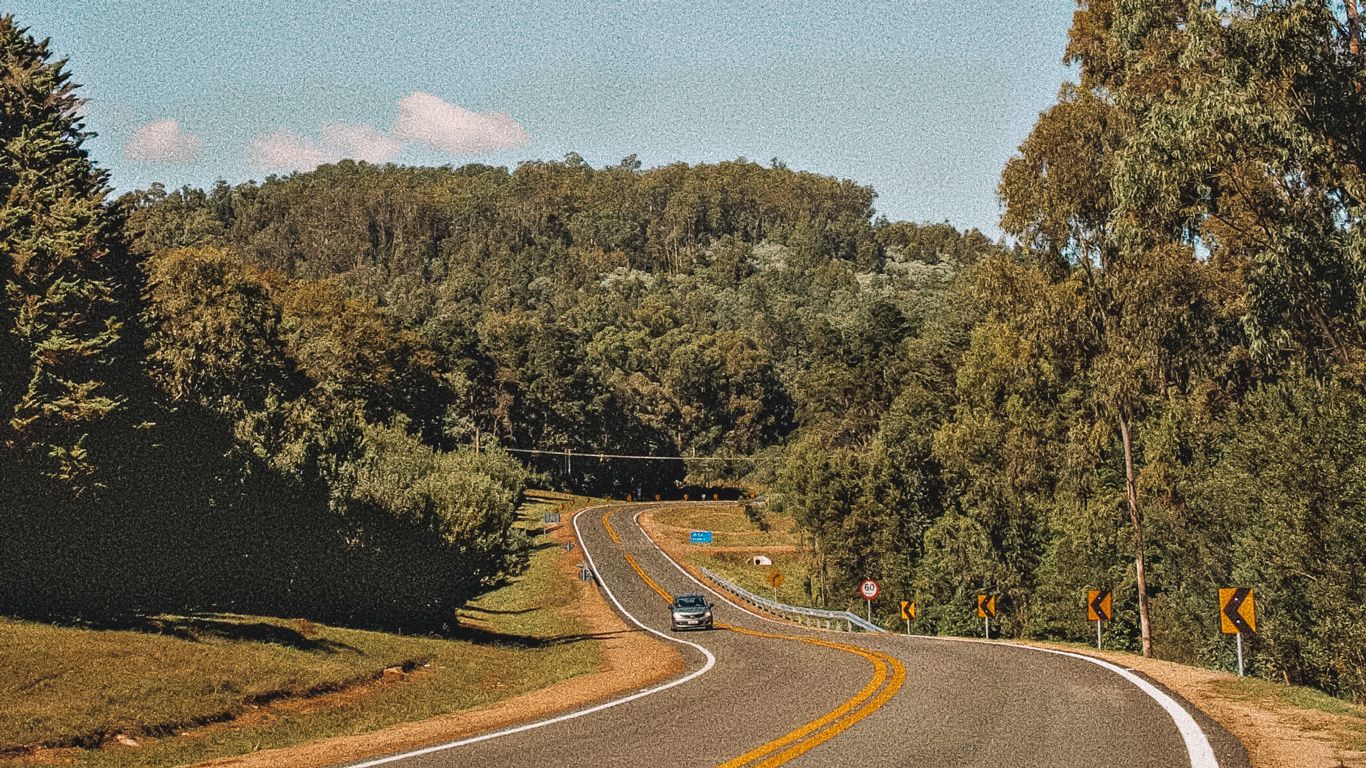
691, 612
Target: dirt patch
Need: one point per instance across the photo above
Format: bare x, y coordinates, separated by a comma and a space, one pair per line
1277, 734
624, 669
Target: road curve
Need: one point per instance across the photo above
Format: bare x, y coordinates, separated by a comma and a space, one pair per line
760, 693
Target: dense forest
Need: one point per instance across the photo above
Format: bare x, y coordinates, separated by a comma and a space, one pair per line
311, 395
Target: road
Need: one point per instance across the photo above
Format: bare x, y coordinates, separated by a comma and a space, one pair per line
761, 693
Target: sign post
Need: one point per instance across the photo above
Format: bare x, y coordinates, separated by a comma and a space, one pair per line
869, 589
1237, 616
1099, 608
986, 608
908, 613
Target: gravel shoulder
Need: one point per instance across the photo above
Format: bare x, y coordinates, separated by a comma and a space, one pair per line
1281, 726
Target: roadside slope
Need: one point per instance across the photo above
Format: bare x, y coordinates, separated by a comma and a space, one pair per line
187, 689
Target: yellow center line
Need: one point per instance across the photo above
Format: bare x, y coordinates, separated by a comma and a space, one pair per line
824, 728
879, 677
898, 679
631, 561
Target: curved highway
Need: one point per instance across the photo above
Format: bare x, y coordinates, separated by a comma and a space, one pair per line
763, 693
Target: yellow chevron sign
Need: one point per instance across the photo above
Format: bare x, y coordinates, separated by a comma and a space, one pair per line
986, 606
1237, 611
1098, 605
907, 610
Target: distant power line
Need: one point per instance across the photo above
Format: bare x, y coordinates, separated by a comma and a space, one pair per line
641, 457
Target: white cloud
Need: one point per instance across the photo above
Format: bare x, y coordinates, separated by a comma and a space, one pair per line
359, 142
422, 118
163, 141
430, 120
286, 151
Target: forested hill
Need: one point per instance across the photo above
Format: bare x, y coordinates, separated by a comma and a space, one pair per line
295, 397
675, 311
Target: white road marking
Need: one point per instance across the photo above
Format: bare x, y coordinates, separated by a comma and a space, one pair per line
1197, 744
635, 519
711, 662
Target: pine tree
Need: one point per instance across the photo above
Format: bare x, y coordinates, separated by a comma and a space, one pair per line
59, 258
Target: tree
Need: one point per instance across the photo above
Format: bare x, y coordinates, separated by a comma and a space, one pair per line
61, 262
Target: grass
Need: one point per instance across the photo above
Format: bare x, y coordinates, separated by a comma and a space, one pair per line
736, 539
729, 526
172, 675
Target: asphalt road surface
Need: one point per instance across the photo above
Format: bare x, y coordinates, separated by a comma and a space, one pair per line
763, 693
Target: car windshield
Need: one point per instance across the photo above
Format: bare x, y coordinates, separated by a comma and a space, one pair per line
690, 601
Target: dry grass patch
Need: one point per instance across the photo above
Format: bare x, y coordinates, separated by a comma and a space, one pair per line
669, 526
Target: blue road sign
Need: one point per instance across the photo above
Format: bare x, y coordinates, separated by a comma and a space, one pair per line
700, 537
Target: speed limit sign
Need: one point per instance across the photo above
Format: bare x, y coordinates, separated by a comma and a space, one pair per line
869, 589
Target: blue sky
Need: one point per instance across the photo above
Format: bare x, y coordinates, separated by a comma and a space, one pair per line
925, 101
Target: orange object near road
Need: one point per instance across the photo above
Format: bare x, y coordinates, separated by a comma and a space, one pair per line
775, 578
986, 606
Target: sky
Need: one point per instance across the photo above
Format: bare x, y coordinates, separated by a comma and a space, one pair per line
924, 100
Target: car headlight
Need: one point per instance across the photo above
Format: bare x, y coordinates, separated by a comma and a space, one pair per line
707, 615
678, 617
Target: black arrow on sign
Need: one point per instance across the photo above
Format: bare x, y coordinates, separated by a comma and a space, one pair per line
1231, 610
1098, 605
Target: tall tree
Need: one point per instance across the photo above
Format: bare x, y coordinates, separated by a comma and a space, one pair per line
1059, 198
59, 254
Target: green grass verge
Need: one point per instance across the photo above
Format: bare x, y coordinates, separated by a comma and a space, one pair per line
67, 685
729, 526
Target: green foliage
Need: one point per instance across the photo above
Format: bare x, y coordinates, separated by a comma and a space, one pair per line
1158, 391
1290, 490
1166, 377
1177, 354
60, 309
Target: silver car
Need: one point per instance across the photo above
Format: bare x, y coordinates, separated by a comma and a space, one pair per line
691, 612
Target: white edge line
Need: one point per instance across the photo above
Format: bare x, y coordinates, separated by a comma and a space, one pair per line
711, 661
635, 520
1197, 744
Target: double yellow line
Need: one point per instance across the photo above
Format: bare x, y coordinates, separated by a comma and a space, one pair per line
886, 670
607, 523
815, 733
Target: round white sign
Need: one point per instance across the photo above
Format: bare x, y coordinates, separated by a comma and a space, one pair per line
869, 589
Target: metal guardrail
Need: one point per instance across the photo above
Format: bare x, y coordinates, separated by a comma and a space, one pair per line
800, 614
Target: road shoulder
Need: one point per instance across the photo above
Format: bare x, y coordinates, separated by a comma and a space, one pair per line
1276, 731
1279, 726
623, 669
